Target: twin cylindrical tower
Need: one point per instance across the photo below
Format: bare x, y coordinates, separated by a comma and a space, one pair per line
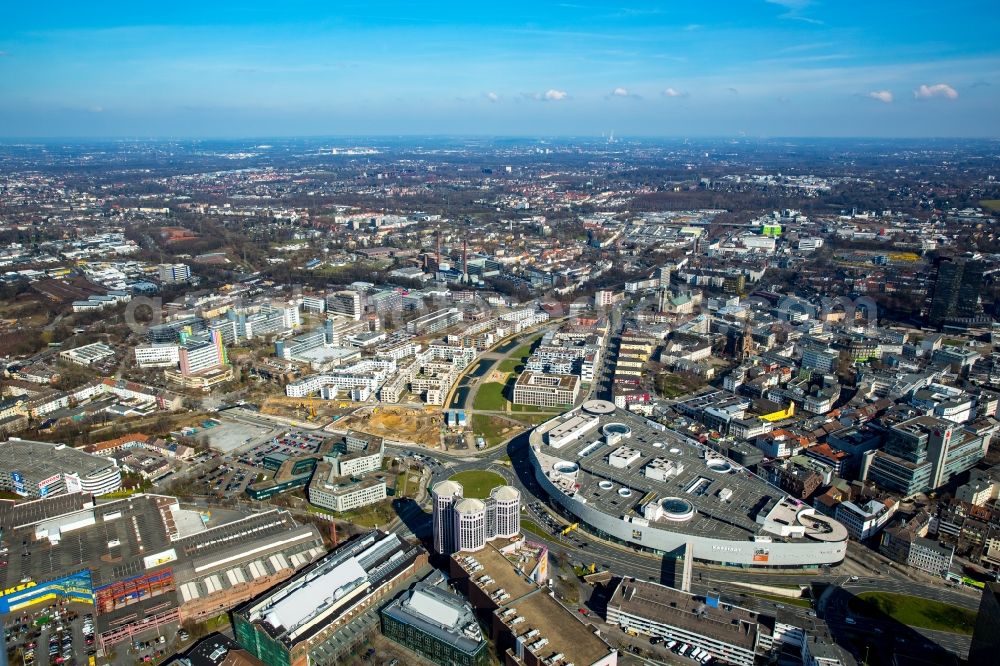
466, 524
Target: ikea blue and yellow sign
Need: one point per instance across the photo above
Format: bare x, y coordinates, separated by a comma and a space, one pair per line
75, 587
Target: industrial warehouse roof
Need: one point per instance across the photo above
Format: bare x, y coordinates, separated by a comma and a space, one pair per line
43, 459
113, 539
14, 515
307, 603
110, 539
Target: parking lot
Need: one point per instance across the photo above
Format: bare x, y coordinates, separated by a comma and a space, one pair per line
235, 471
287, 445
150, 646
57, 633
226, 480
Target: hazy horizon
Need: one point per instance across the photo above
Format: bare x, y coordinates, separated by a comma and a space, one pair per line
753, 68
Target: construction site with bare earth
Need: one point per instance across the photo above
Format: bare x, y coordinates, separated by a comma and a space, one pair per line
401, 424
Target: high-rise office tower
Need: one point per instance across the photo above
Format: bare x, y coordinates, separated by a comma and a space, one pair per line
985, 637
470, 525
956, 289
466, 524
174, 273
446, 495
348, 302
503, 513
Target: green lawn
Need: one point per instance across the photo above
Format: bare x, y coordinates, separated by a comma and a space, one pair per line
494, 430
511, 365
400, 486
991, 204
914, 611
478, 483
524, 351
218, 622
369, 516
532, 418
490, 397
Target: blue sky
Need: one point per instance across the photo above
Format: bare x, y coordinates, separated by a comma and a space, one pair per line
671, 68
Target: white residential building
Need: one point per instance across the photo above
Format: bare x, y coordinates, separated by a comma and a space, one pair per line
865, 520
157, 355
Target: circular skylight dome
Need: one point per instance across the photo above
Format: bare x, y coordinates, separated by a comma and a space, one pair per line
566, 467
616, 429
676, 509
719, 465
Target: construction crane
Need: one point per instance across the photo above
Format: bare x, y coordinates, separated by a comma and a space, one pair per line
309, 404
569, 528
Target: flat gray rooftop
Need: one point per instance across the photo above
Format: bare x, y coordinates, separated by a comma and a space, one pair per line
139, 531
42, 459
726, 623
620, 491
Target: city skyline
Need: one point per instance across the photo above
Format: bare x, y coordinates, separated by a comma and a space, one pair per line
779, 68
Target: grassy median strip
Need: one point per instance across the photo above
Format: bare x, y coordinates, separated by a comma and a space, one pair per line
534, 528
791, 601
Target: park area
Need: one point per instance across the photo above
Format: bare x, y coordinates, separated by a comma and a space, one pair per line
490, 398
914, 611
673, 385
478, 483
493, 429
514, 363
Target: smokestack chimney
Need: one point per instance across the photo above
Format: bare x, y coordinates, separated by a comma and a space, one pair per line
438, 257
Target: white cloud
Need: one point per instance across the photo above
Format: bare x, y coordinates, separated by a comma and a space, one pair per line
620, 92
554, 95
674, 92
492, 96
936, 90
794, 12
881, 95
